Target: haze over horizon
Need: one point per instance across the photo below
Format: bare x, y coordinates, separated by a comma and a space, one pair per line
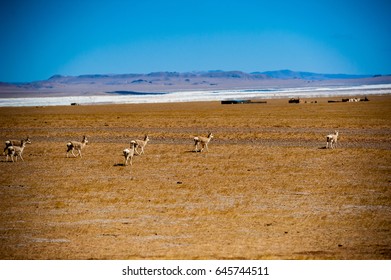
44, 38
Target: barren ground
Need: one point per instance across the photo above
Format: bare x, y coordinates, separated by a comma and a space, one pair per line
267, 188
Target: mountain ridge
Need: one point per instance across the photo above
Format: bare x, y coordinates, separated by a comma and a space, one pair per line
276, 74
163, 82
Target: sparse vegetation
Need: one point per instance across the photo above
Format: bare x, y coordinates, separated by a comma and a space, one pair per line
266, 190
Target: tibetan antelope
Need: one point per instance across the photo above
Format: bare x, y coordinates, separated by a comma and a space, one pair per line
75, 145
203, 141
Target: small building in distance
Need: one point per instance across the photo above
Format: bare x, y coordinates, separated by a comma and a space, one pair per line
236, 101
294, 100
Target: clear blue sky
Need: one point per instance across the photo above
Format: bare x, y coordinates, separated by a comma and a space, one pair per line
40, 38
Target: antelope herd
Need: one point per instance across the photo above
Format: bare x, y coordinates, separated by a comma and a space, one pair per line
14, 148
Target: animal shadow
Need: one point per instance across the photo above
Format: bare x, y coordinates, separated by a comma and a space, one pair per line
191, 151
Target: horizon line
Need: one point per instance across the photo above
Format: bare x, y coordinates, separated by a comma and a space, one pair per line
200, 72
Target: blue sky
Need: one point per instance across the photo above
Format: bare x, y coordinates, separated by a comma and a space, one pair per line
40, 38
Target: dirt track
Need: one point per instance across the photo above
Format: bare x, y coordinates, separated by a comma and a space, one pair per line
357, 138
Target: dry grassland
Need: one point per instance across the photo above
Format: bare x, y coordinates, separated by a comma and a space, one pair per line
267, 188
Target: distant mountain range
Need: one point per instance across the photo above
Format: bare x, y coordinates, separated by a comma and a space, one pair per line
146, 78
161, 82
280, 74
288, 74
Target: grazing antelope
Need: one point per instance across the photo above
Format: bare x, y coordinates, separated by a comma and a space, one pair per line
16, 151
331, 140
72, 145
141, 144
9, 143
203, 141
129, 153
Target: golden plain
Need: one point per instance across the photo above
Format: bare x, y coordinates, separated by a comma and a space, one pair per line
266, 189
